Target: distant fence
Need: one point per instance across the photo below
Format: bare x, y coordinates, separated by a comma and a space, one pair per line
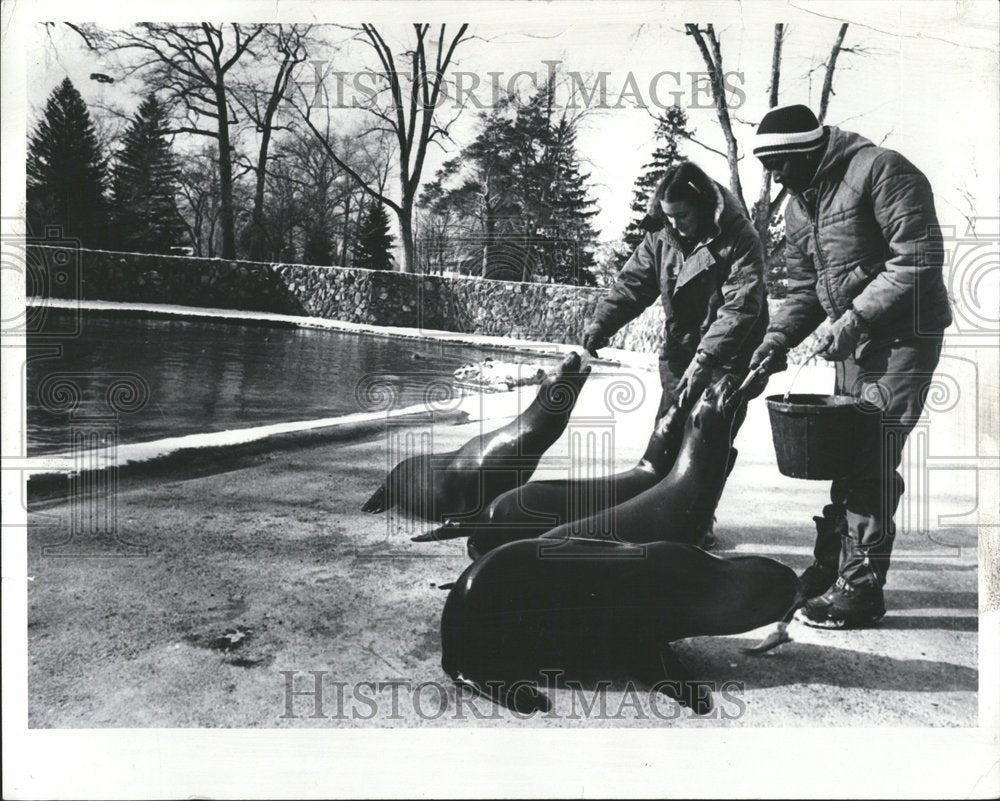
543, 312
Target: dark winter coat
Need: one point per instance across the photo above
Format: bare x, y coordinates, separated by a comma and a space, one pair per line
714, 298
864, 234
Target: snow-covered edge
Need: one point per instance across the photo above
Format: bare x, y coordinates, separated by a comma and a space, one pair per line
609, 356
147, 451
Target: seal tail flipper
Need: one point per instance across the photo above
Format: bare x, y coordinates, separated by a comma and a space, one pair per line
452, 529
376, 503
518, 696
779, 636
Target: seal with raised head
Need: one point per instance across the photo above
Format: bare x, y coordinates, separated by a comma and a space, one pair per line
681, 507
539, 506
460, 484
592, 609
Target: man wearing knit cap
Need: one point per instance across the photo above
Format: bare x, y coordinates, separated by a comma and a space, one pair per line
863, 249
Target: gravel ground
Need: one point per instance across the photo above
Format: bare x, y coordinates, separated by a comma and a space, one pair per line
261, 574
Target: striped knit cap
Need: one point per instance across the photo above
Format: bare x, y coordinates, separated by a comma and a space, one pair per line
787, 129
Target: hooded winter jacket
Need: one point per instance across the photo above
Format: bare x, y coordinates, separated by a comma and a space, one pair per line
863, 235
714, 298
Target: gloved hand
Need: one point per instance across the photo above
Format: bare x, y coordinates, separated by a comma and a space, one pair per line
843, 336
697, 376
594, 339
775, 345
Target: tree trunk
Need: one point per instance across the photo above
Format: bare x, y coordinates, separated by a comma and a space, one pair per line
226, 210
406, 234
762, 211
257, 217
347, 228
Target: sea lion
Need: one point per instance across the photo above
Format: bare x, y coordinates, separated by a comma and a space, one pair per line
460, 484
681, 507
539, 506
599, 609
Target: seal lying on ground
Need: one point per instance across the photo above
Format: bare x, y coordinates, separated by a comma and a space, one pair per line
539, 506
597, 609
461, 483
680, 508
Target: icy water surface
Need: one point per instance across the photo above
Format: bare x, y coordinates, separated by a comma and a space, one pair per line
155, 377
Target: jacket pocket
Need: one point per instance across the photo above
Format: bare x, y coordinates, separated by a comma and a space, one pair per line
857, 278
870, 269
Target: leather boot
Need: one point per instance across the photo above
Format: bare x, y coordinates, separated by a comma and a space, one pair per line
856, 600
822, 573
847, 604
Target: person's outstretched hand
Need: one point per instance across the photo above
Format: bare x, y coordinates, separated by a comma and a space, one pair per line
697, 376
594, 339
774, 346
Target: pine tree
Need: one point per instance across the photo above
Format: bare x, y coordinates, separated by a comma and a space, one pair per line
66, 171
671, 127
373, 244
572, 213
318, 247
519, 188
144, 185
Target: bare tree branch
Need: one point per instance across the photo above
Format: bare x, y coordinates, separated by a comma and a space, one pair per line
831, 65
711, 53
762, 211
411, 119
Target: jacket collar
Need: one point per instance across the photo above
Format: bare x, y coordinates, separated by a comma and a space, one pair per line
841, 146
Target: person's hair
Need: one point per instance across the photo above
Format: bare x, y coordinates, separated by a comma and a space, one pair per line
683, 182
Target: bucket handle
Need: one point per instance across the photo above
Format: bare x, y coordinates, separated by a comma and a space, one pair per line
813, 354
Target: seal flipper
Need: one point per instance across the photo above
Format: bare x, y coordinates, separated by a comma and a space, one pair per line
376, 503
519, 696
680, 685
452, 529
779, 636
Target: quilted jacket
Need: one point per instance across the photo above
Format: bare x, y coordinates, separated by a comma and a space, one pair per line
864, 234
713, 297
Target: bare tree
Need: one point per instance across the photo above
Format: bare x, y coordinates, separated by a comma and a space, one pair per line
199, 198
260, 103
767, 208
711, 53
409, 115
190, 65
762, 210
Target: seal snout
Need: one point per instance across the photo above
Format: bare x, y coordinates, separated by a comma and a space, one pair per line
728, 394
571, 363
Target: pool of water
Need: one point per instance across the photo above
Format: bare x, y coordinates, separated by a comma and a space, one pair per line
154, 377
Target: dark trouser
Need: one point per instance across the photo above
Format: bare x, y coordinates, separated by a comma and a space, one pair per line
895, 378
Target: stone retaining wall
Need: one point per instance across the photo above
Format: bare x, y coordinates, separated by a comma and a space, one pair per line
543, 312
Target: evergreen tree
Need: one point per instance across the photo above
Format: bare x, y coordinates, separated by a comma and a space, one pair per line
66, 172
318, 247
519, 189
671, 127
373, 245
573, 249
144, 185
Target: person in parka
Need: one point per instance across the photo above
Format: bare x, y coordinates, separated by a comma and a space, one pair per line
863, 250
702, 258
